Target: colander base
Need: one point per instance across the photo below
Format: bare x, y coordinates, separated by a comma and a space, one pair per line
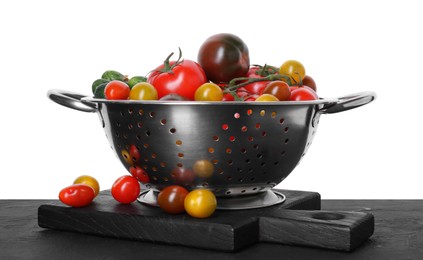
259, 200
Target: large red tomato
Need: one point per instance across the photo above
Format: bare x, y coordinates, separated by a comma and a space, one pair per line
177, 77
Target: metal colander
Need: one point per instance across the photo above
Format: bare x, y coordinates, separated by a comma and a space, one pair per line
235, 149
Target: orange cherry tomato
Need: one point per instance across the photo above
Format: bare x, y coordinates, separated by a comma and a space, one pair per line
200, 203
90, 181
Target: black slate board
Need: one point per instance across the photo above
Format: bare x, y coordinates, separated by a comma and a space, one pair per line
303, 224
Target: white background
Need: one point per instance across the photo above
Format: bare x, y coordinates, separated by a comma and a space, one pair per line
372, 152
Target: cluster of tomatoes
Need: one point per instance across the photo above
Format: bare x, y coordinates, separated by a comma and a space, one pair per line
174, 199
222, 73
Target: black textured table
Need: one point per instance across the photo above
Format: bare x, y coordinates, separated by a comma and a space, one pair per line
398, 234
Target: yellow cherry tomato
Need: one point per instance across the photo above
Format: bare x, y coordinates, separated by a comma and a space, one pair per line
294, 69
143, 91
127, 157
208, 92
200, 203
266, 98
203, 168
89, 181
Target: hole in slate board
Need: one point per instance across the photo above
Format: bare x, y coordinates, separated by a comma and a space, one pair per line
328, 216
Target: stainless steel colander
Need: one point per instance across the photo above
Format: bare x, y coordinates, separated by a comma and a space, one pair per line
239, 150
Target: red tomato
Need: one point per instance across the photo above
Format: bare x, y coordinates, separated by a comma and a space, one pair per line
178, 77
228, 97
171, 199
242, 92
117, 90
292, 88
251, 98
255, 87
126, 189
140, 174
77, 195
246, 95
258, 72
303, 93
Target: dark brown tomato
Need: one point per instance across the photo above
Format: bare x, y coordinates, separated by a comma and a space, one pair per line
279, 89
171, 199
224, 57
309, 82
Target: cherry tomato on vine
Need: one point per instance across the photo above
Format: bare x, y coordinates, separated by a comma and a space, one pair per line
77, 195
228, 97
200, 203
294, 69
181, 77
303, 93
258, 72
208, 92
279, 89
224, 57
90, 181
246, 95
255, 87
126, 189
171, 199
143, 91
116, 90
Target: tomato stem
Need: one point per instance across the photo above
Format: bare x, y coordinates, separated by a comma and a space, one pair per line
300, 83
245, 81
169, 68
233, 85
265, 70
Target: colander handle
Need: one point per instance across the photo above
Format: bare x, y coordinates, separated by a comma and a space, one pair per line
71, 100
349, 102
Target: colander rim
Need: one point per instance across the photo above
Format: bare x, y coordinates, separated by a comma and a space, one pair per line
213, 103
